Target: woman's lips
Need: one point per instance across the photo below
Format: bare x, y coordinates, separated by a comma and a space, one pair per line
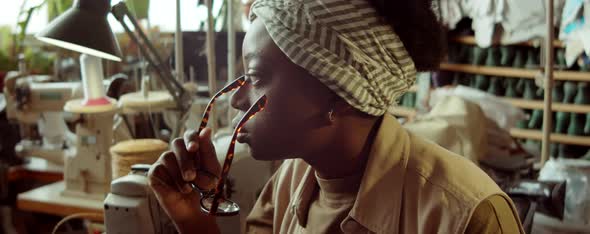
242, 136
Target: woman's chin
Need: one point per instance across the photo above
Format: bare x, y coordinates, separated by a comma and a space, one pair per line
262, 155
259, 156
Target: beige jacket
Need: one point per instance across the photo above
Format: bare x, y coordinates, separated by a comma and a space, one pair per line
409, 186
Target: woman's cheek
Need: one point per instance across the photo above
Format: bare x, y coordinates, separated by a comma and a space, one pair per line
270, 125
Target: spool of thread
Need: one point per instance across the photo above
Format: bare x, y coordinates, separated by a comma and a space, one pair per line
136, 151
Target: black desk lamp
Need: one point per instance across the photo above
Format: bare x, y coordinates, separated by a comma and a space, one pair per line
84, 28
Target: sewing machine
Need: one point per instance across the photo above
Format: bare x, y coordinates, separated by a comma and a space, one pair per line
132, 202
37, 105
132, 207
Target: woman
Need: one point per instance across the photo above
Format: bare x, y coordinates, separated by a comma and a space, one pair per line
330, 70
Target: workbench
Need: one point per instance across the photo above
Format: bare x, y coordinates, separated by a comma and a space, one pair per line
37, 169
49, 200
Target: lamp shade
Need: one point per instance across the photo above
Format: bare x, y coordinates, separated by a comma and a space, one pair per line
84, 28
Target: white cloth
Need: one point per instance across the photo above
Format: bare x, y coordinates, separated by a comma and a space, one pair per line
503, 113
461, 127
526, 19
485, 14
575, 29
451, 12
450, 124
521, 20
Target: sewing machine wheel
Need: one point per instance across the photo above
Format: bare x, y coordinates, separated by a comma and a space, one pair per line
225, 208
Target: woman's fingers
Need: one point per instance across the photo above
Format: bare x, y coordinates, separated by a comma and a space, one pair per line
187, 161
195, 162
191, 139
170, 162
160, 181
175, 196
209, 168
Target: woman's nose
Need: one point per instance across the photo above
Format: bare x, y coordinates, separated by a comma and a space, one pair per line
239, 98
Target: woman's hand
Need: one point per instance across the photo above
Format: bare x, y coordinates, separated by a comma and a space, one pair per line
192, 160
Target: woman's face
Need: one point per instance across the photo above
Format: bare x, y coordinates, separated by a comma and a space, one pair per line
293, 123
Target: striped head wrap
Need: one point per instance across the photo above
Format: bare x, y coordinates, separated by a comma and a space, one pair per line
345, 45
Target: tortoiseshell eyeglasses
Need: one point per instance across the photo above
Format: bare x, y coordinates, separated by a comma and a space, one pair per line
213, 202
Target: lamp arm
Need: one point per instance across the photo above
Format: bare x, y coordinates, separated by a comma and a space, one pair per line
180, 95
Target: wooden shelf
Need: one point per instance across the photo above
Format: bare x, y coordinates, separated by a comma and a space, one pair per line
470, 40
490, 71
515, 132
513, 72
572, 75
528, 104
555, 137
403, 111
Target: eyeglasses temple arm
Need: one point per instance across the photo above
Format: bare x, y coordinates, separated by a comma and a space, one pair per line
234, 85
257, 107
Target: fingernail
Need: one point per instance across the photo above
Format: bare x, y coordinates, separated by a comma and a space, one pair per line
186, 188
192, 146
189, 175
205, 132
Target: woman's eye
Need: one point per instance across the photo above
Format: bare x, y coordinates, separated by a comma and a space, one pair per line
255, 81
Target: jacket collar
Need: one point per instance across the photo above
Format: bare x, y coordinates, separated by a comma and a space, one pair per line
378, 202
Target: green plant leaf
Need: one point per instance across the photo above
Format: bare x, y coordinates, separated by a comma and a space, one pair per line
5, 39
139, 8
57, 7
23, 25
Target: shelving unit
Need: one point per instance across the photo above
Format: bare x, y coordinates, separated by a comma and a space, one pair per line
538, 105
555, 137
470, 40
513, 72
531, 73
